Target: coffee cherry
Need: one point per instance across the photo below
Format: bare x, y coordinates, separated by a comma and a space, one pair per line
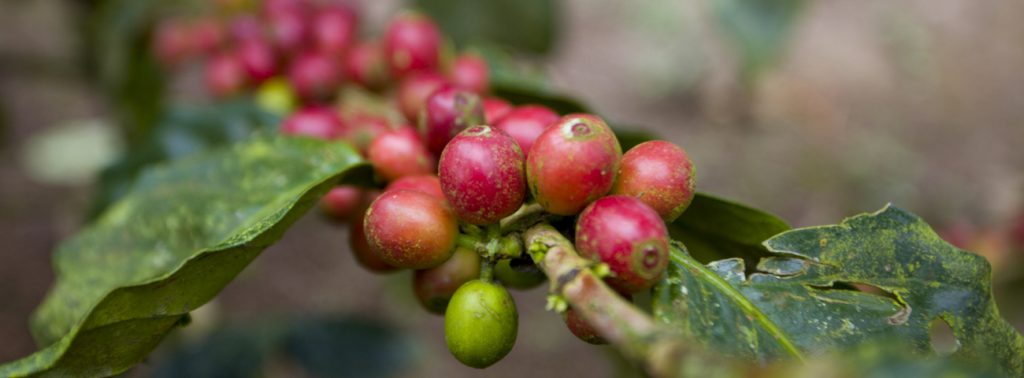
526, 123
412, 43
225, 75
357, 239
469, 72
315, 121
314, 76
480, 324
494, 109
629, 236
171, 42
434, 287
341, 202
258, 59
413, 92
245, 27
428, 184
660, 174
333, 29
288, 31
410, 230
573, 163
581, 329
206, 35
365, 65
482, 175
399, 153
276, 96
448, 111
363, 128
519, 273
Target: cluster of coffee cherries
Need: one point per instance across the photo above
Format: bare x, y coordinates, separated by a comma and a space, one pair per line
454, 162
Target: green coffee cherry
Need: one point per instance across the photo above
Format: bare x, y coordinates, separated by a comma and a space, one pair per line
481, 323
519, 273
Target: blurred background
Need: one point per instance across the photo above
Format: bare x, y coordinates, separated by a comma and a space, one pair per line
813, 110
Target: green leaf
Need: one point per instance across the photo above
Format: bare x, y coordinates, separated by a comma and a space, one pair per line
182, 233
182, 131
713, 228
802, 296
526, 25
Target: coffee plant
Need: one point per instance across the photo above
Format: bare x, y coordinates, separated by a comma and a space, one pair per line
479, 186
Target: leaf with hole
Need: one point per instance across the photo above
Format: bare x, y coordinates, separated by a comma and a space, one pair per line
803, 299
183, 232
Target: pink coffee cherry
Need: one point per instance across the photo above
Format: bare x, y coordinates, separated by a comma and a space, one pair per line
365, 65
315, 76
526, 123
258, 59
413, 92
410, 230
629, 236
334, 29
315, 121
428, 184
398, 153
470, 72
660, 174
225, 75
495, 109
482, 175
341, 202
447, 112
412, 43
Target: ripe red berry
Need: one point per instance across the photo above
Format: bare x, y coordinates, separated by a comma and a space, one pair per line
399, 153
206, 35
245, 27
357, 239
411, 230
448, 111
225, 75
365, 65
315, 121
629, 236
581, 329
428, 184
434, 287
361, 129
288, 30
333, 29
171, 42
314, 76
495, 109
412, 43
482, 175
526, 123
258, 59
341, 202
470, 72
413, 92
660, 174
573, 163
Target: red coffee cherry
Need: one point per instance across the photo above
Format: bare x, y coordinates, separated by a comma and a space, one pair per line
357, 239
206, 35
449, 111
399, 153
411, 230
482, 175
412, 43
361, 129
315, 121
245, 27
428, 184
470, 72
258, 59
342, 201
172, 42
581, 329
660, 174
287, 30
573, 163
225, 75
333, 29
629, 236
494, 109
365, 65
314, 76
526, 123
413, 92
434, 287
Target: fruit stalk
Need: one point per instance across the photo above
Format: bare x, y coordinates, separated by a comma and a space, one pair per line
659, 350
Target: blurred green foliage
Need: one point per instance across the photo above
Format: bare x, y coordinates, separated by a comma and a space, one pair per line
758, 30
525, 25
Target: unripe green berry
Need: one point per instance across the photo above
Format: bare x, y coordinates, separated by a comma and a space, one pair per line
481, 324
